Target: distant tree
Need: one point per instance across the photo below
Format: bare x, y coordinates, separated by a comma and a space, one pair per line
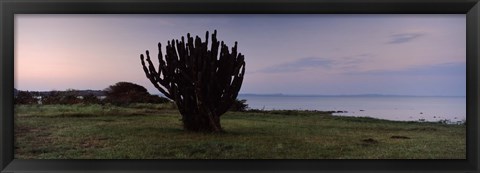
53, 97
25, 97
124, 93
239, 105
90, 99
70, 100
70, 97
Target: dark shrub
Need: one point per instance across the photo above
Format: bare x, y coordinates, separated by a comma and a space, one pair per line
62, 97
91, 99
53, 97
25, 97
157, 99
70, 100
124, 93
70, 97
239, 105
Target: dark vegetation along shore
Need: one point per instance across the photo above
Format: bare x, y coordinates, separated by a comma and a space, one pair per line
154, 131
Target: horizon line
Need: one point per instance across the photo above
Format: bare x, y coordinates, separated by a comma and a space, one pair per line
282, 94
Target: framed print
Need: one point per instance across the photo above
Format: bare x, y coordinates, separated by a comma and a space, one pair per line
192, 86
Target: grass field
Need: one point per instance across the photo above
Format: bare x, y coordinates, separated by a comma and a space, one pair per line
147, 131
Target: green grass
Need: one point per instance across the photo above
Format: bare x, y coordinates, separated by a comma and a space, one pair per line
148, 131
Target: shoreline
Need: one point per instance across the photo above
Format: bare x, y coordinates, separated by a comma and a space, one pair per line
397, 108
339, 112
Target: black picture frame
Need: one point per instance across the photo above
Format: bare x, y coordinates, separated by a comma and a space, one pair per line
8, 8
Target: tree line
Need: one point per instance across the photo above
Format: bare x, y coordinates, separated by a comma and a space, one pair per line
119, 94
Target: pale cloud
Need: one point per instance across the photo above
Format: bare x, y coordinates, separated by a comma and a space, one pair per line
404, 37
333, 65
444, 69
299, 65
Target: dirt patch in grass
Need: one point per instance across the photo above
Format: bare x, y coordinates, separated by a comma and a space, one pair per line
423, 129
21, 131
400, 137
40, 143
96, 142
369, 141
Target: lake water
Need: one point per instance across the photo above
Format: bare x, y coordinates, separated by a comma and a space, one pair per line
400, 108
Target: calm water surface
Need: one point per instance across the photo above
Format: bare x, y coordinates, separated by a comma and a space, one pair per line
402, 108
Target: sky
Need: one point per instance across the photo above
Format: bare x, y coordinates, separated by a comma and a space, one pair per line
323, 54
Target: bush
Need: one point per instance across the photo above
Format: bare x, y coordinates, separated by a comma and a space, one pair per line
53, 97
239, 105
91, 99
157, 99
25, 97
70, 100
125, 93
68, 97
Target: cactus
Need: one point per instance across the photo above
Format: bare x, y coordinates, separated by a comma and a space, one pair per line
203, 83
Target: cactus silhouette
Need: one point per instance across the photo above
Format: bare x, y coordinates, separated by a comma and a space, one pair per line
203, 83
